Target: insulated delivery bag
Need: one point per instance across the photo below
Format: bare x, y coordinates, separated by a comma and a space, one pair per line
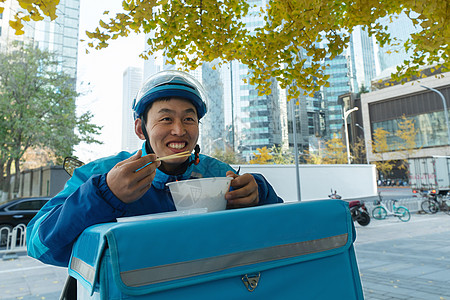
301, 250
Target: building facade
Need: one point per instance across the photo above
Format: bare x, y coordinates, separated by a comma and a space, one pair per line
59, 36
132, 81
342, 80
385, 108
213, 124
399, 27
363, 57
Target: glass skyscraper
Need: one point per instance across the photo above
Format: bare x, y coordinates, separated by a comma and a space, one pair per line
59, 36
400, 28
256, 119
132, 81
363, 57
341, 81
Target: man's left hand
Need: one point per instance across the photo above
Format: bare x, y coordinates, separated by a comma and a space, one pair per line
245, 191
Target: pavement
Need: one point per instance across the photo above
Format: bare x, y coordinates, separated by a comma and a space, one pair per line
397, 260
26, 278
409, 260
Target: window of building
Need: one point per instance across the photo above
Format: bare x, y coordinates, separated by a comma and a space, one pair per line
431, 131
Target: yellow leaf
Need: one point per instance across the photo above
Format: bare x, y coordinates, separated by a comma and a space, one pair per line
37, 17
15, 25
103, 24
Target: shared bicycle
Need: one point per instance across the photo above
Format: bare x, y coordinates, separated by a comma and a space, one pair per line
434, 203
381, 211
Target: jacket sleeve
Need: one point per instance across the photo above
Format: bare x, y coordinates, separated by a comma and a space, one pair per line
83, 202
266, 192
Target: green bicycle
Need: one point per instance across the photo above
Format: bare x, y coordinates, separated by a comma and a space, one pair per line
380, 211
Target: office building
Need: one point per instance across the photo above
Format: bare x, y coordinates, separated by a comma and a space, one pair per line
363, 57
385, 108
59, 36
320, 118
213, 125
401, 29
257, 121
342, 80
132, 81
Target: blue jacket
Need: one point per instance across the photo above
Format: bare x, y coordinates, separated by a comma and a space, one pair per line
87, 200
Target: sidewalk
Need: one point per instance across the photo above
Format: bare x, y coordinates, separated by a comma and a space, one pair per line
405, 260
26, 278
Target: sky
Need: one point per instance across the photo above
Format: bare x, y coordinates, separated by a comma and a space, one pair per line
100, 78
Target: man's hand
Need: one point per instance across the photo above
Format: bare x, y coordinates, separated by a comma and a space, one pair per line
245, 191
129, 185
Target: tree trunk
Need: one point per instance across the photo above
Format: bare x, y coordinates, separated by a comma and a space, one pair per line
2, 176
17, 177
6, 183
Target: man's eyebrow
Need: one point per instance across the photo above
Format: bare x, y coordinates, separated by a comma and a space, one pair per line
165, 110
190, 111
171, 111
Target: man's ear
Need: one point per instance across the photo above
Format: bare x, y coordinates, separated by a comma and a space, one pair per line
138, 128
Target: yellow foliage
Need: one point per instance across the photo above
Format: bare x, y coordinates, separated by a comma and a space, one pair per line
32, 10
334, 152
263, 157
379, 147
211, 29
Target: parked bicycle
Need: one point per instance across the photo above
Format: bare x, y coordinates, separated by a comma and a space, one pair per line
381, 211
434, 203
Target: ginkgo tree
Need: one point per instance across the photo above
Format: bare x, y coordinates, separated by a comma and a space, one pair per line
195, 31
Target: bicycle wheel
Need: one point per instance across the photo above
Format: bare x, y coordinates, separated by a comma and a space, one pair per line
379, 213
429, 206
403, 214
445, 207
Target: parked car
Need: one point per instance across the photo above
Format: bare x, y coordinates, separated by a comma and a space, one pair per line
18, 211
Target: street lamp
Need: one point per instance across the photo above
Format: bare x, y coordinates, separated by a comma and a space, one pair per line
445, 109
297, 171
346, 113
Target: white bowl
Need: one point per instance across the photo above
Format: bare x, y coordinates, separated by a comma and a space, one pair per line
206, 193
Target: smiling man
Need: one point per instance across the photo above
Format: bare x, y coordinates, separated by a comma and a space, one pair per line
167, 112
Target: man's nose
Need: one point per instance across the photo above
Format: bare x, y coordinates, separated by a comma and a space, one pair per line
178, 128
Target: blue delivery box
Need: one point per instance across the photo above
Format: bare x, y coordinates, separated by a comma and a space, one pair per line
300, 250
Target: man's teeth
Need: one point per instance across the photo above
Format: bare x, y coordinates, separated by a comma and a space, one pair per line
177, 145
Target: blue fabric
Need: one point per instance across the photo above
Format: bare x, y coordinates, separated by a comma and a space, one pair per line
87, 200
142, 246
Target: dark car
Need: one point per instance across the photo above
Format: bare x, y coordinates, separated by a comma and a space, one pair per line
19, 211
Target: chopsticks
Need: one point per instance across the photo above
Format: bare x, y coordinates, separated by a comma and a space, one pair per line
176, 155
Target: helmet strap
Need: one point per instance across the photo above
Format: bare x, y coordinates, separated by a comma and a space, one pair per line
148, 147
196, 160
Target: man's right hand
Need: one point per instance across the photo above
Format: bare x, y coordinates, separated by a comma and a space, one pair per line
129, 185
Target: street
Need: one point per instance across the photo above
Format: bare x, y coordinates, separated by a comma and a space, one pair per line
397, 260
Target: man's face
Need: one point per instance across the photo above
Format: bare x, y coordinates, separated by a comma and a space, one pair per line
172, 127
